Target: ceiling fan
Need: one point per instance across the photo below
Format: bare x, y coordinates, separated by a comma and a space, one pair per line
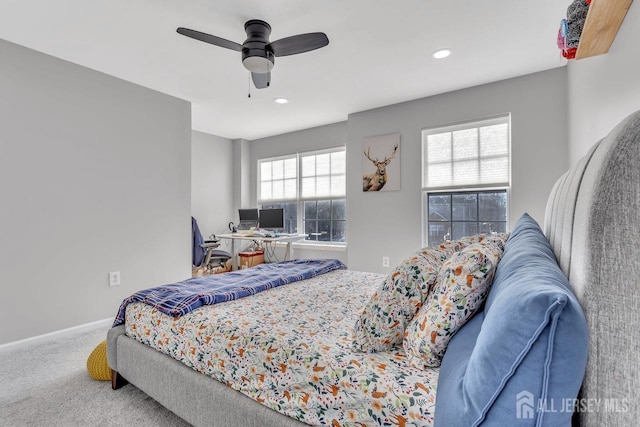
258, 53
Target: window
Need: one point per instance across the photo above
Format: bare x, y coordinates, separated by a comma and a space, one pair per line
311, 187
278, 188
324, 220
451, 216
465, 179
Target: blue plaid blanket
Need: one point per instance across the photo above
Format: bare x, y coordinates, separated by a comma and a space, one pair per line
180, 298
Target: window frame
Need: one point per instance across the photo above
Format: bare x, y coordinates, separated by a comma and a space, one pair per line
477, 187
299, 200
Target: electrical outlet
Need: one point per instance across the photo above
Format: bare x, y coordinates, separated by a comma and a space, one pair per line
385, 261
114, 278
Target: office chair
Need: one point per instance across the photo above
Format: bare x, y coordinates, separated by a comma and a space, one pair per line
214, 257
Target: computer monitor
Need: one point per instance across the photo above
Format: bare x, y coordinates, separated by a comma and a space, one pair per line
248, 214
272, 219
248, 219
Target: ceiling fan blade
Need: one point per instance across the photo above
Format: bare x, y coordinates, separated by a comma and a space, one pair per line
261, 80
299, 44
208, 38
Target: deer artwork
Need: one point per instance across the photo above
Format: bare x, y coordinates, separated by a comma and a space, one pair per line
375, 181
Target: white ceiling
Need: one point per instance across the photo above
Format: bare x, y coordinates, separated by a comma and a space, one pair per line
379, 51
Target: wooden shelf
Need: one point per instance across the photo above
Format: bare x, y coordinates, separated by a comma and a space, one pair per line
602, 25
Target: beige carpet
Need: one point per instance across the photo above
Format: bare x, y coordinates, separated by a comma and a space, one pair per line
47, 384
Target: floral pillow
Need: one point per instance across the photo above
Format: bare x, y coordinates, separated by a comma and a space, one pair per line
448, 246
491, 238
382, 323
462, 285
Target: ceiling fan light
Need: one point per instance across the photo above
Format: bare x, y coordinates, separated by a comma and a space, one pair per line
257, 64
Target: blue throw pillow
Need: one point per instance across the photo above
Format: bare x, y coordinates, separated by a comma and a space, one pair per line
520, 362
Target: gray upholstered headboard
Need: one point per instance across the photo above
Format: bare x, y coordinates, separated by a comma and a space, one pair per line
593, 223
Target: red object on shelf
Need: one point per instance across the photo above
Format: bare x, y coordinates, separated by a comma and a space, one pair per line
570, 53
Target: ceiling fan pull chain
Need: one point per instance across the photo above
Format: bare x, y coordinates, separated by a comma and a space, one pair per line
249, 84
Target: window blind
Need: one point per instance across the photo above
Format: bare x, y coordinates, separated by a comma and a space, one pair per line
323, 175
467, 155
278, 179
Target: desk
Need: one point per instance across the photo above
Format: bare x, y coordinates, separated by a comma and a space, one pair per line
238, 236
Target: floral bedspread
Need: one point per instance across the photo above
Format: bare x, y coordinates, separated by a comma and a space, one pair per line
289, 348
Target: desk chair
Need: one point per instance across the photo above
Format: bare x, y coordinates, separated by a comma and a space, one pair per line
214, 257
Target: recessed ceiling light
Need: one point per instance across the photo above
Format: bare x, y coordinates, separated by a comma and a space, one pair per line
281, 100
441, 53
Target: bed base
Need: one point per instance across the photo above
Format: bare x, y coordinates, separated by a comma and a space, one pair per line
197, 398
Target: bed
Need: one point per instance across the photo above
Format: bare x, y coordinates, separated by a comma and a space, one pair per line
284, 357
261, 346
290, 349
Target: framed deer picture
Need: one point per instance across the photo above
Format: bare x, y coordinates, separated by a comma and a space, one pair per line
381, 163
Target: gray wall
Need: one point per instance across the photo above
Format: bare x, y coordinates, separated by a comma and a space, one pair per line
604, 89
241, 176
389, 224
211, 182
94, 177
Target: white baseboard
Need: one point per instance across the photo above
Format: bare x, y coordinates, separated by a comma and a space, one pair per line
15, 345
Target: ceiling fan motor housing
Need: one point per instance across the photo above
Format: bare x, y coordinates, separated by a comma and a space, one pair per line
257, 56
